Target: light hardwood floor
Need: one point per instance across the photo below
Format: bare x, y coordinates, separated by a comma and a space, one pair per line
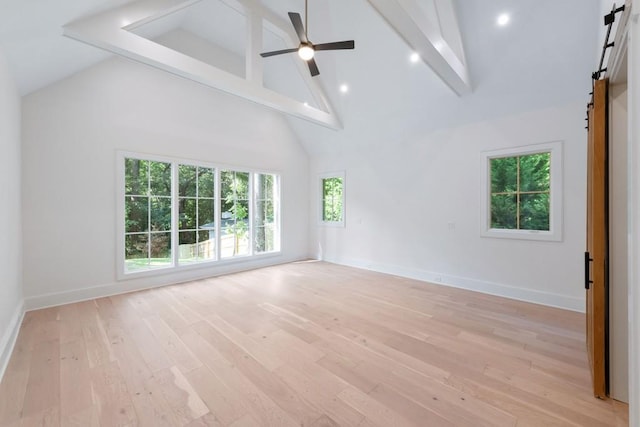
303, 344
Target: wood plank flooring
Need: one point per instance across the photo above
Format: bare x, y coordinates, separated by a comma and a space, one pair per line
302, 344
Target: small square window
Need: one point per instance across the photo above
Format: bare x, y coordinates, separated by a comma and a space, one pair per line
522, 192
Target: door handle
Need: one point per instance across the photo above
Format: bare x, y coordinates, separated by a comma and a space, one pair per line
587, 279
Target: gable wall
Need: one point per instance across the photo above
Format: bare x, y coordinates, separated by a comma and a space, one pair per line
413, 209
71, 133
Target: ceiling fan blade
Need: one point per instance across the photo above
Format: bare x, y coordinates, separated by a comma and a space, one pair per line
313, 67
278, 52
296, 20
347, 44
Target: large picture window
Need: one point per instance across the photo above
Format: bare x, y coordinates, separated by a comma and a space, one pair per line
176, 213
522, 197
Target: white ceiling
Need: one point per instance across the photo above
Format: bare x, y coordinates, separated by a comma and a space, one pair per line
544, 57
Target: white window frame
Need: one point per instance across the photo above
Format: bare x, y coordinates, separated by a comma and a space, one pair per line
555, 188
277, 238
122, 274
321, 178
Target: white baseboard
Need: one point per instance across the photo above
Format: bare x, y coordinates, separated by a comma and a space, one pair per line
498, 289
137, 284
9, 337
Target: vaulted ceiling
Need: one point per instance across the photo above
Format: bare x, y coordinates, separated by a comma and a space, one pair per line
543, 57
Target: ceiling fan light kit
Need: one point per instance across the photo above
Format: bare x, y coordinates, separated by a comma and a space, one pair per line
306, 50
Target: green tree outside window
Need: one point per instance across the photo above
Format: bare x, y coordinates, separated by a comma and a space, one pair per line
176, 214
147, 214
264, 213
235, 211
520, 192
332, 196
196, 220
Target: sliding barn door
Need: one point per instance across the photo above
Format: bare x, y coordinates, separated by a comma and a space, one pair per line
596, 257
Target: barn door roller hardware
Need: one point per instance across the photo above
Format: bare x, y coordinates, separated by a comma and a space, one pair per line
609, 19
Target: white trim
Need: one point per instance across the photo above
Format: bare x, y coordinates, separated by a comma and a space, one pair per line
9, 337
548, 299
54, 299
634, 214
277, 241
250, 212
276, 213
106, 30
321, 177
618, 53
556, 198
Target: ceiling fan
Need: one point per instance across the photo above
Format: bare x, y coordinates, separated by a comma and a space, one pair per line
306, 50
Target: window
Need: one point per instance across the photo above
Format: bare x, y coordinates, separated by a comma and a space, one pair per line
332, 190
235, 213
523, 192
196, 219
520, 192
176, 213
147, 214
266, 237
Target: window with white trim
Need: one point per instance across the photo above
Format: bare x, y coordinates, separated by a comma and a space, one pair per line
178, 213
196, 218
332, 199
235, 213
522, 194
266, 199
147, 208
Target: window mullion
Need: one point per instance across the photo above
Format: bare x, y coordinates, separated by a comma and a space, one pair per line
197, 213
217, 215
518, 193
250, 207
148, 213
175, 210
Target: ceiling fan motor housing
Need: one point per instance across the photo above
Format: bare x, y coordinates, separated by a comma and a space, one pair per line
306, 49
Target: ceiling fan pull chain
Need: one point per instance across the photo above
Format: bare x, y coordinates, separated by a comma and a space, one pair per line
306, 24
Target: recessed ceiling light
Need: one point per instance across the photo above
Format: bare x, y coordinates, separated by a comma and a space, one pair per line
344, 88
503, 19
306, 104
414, 57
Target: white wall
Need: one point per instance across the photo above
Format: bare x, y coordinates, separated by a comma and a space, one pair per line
10, 219
413, 209
618, 253
71, 132
634, 215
